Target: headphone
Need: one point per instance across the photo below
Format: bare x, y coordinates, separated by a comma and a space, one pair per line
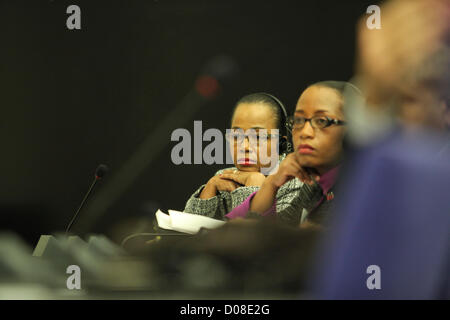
285, 144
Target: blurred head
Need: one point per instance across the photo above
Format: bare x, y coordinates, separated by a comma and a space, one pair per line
403, 77
423, 107
318, 126
260, 117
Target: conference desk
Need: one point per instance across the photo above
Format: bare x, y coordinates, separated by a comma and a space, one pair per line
235, 261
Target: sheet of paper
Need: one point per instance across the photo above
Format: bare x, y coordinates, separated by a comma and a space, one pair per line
186, 222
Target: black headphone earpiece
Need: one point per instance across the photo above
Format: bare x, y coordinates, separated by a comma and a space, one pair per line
285, 144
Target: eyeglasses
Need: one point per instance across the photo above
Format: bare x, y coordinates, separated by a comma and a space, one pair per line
238, 136
318, 122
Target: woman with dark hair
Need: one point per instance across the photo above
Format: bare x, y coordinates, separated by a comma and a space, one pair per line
302, 190
258, 126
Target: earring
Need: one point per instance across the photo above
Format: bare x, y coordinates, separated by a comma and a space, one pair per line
289, 148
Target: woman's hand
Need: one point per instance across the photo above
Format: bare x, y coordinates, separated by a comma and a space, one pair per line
290, 169
217, 183
244, 178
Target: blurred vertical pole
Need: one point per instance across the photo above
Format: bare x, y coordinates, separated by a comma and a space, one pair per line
217, 71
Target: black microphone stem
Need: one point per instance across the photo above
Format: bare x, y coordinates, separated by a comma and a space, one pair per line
82, 203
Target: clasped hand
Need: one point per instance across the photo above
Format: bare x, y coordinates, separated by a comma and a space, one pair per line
230, 180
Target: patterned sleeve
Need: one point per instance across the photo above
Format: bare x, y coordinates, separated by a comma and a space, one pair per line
239, 195
219, 205
211, 207
295, 196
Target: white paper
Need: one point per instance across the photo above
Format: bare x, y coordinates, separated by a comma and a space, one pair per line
186, 222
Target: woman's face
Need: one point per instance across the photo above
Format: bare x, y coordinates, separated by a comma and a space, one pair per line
256, 116
320, 149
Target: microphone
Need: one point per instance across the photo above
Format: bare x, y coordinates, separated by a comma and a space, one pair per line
99, 173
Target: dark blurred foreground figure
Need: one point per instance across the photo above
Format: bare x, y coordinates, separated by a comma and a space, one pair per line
399, 222
391, 234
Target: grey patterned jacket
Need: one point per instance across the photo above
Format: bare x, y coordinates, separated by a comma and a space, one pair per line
217, 207
294, 201
297, 202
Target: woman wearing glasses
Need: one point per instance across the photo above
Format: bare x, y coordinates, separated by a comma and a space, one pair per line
258, 140
301, 191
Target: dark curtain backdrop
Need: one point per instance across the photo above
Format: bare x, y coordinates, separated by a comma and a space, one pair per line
73, 99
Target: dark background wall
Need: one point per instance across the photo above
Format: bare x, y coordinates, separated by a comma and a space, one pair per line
73, 99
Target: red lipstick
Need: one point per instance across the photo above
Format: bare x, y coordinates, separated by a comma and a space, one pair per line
246, 161
305, 149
